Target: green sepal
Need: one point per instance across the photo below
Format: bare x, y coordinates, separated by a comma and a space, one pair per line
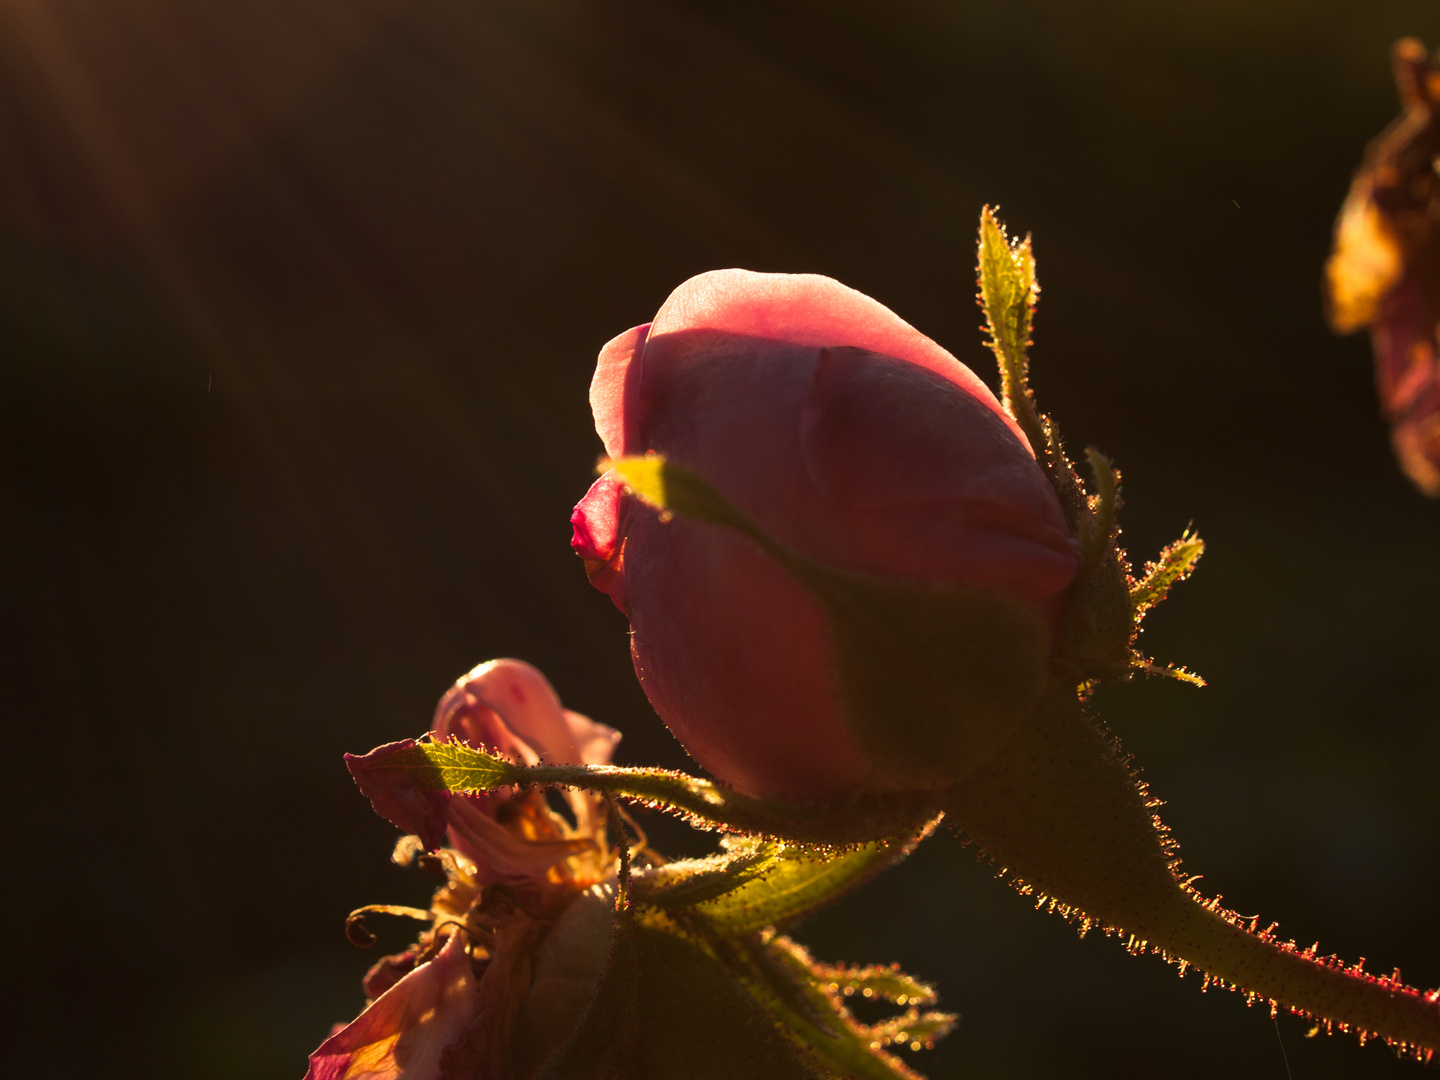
888, 983
1098, 541
1008, 292
1094, 639
797, 992
1175, 564
934, 678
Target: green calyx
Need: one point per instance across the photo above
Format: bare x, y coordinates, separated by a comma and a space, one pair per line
1104, 605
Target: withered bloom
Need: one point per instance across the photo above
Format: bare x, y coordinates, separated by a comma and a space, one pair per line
447, 1007
1384, 272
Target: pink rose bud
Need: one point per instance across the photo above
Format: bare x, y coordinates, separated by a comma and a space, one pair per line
845, 434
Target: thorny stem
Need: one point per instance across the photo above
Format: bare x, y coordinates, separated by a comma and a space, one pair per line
1061, 812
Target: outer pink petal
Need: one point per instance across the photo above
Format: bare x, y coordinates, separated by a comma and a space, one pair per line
764, 718
807, 309
614, 391
926, 481
402, 1034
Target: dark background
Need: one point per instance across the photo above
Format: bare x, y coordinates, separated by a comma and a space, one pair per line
299, 301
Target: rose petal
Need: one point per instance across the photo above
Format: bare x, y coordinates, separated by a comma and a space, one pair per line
500, 854
806, 309
514, 694
615, 389
594, 743
945, 496
403, 1034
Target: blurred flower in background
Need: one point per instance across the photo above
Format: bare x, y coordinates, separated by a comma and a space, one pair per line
1385, 269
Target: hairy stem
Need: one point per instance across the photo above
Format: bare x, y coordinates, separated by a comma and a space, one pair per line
1061, 811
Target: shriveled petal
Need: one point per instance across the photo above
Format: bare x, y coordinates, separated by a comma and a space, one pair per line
594, 743
615, 389
484, 1052
501, 854
810, 310
387, 971
398, 797
404, 1033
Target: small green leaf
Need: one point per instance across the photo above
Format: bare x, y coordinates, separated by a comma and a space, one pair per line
669, 487
451, 766
1174, 564
1008, 291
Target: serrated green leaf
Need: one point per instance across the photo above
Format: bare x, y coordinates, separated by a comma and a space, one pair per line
795, 882
1175, 564
1007, 296
451, 766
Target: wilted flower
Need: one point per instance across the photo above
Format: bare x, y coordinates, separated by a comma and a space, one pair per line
508, 706
1385, 270
447, 1006
848, 436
